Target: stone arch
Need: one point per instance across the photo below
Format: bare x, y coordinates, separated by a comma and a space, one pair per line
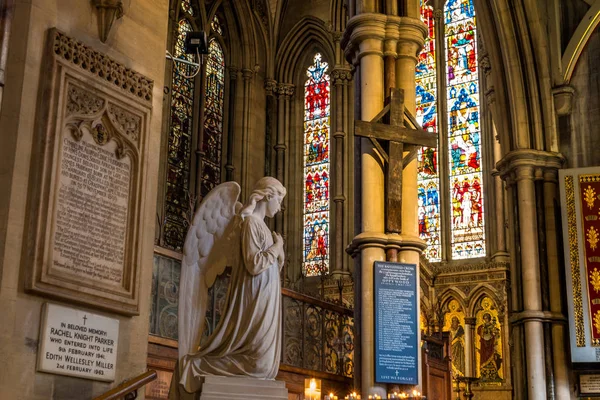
453, 293
482, 290
523, 95
309, 32
579, 40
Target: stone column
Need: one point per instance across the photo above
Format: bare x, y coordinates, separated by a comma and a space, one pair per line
284, 92
247, 75
364, 38
532, 296
470, 346
364, 45
528, 306
411, 38
233, 72
501, 252
561, 373
341, 77
516, 331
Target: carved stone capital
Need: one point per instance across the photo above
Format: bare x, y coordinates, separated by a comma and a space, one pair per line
233, 72
270, 86
247, 74
341, 75
523, 163
108, 12
285, 89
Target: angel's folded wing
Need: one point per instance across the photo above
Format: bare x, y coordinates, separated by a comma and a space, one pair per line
212, 224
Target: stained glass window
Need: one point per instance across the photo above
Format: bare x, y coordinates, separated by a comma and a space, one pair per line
464, 201
186, 6
428, 184
216, 26
462, 90
179, 145
316, 169
213, 117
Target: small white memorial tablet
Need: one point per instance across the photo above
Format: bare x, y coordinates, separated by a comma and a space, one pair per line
589, 384
78, 343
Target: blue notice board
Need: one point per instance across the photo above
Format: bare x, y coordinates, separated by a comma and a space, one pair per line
396, 323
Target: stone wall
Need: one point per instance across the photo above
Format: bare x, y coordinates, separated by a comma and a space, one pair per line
580, 143
137, 41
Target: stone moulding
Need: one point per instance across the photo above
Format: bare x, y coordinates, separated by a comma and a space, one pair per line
93, 115
88, 59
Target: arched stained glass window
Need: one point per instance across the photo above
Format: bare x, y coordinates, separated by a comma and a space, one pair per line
428, 184
179, 144
461, 159
316, 169
212, 141
462, 87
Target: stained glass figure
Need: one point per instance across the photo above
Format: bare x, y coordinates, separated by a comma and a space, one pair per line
186, 6
316, 169
427, 158
464, 139
213, 118
179, 145
216, 25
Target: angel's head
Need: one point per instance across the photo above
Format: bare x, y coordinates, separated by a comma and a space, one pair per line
269, 190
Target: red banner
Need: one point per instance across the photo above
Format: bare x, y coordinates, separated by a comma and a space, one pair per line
589, 191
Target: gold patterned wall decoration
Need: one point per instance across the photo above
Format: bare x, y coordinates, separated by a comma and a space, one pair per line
569, 189
488, 343
454, 323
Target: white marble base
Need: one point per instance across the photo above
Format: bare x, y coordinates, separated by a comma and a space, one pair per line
220, 387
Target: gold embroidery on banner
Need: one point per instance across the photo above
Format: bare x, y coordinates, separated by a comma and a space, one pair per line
574, 258
590, 196
592, 237
595, 280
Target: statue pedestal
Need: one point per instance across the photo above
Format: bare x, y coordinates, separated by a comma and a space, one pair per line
221, 387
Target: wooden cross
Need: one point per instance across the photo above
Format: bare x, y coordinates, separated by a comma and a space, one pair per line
397, 135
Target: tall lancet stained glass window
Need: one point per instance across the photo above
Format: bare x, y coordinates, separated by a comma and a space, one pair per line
428, 186
179, 144
316, 169
462, 160
212, 140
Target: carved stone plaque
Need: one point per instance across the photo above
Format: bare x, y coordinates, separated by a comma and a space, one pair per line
88, 184
78, 343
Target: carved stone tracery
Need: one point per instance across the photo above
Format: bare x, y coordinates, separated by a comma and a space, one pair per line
80, 101
102, 66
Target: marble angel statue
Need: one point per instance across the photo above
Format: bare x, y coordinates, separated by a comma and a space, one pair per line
247, 340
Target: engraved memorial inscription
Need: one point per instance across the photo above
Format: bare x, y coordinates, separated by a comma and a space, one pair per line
91, 213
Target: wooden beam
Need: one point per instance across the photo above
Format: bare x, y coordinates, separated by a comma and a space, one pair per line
395, 133
381, 113
393, 192
412, 154
396, 103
